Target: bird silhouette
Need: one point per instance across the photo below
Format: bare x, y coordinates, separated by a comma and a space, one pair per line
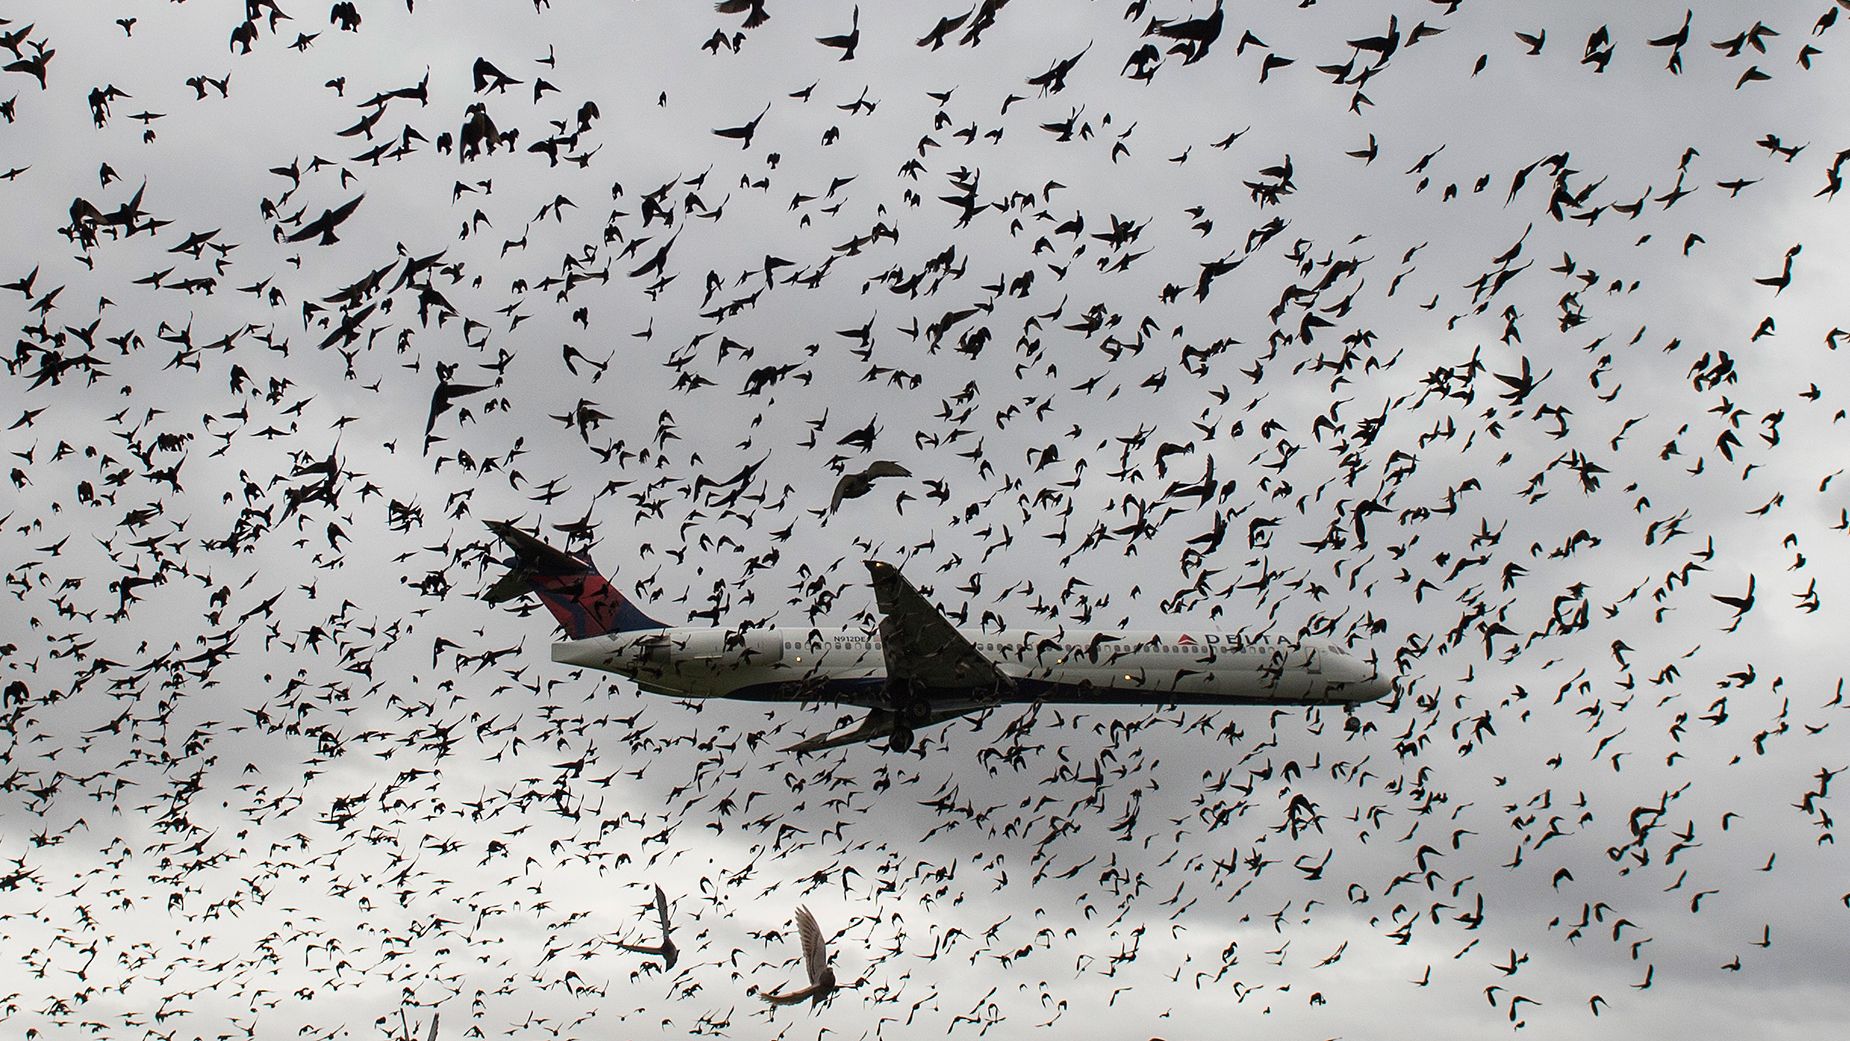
755, 14
1194, 36
854, 485
322, 227
846, 42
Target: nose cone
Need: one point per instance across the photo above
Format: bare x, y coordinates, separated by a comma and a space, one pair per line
1373, 687
1353, 679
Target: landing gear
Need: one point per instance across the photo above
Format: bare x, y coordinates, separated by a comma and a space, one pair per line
911, 709
1351, 722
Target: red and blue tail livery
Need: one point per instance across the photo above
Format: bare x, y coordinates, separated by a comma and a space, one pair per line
569, 584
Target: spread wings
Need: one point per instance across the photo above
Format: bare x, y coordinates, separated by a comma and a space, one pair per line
815, 949
920, 644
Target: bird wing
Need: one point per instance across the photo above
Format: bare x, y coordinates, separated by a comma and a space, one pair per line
815, 949
920, 644
885, 468
661, 911
843, 488
345, 210
308, 231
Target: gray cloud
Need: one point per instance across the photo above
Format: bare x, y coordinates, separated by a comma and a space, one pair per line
272, 767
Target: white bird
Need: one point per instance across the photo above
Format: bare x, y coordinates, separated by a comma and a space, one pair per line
666, 950
815, 960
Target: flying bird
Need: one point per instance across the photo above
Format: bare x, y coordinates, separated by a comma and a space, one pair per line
815, 962
1196, 35
325, 224
666, 950
848, 41
855, 485
743, 134
755, 14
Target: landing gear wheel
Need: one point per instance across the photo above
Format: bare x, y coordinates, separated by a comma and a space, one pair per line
1352, 723
910, 710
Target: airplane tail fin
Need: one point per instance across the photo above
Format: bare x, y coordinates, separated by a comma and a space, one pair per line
569, 584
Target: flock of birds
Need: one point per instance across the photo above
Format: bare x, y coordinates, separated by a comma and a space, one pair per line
1494, 349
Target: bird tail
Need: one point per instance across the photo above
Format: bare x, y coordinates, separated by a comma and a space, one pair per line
585, 603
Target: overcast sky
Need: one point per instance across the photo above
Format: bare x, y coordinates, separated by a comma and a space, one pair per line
1495, 341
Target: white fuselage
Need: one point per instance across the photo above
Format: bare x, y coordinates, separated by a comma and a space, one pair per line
847, 665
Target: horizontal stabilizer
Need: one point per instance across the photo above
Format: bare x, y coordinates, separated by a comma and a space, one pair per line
532, 559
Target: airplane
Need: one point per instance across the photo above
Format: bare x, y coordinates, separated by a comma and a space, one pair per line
916, 669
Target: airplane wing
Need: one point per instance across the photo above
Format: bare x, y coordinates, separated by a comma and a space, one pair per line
920, 644
878, 723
